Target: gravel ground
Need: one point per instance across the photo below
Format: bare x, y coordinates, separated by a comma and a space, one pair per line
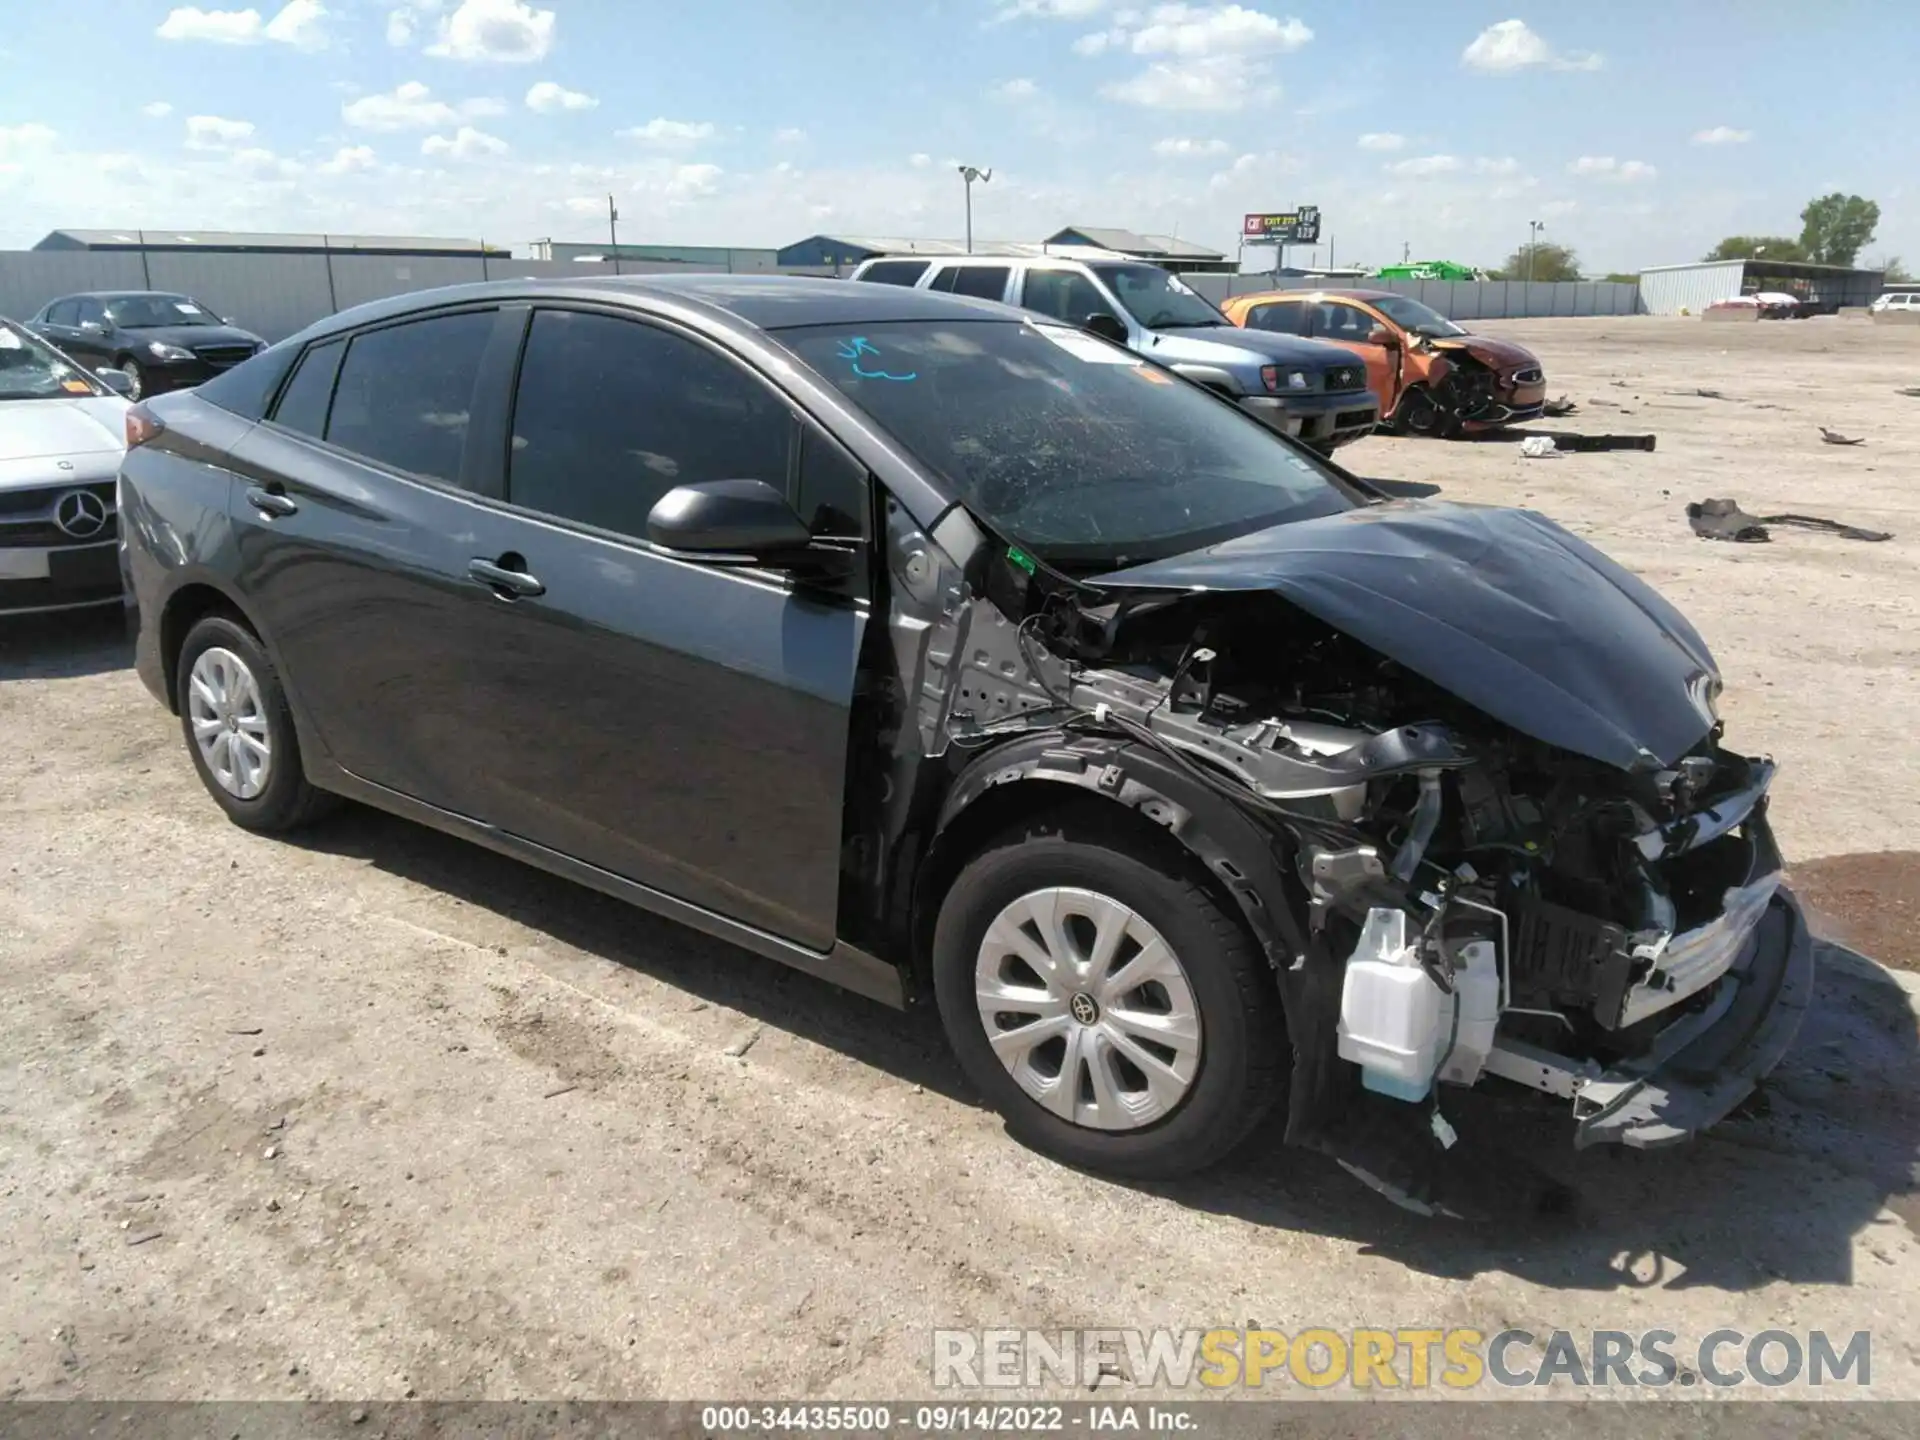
376, 1114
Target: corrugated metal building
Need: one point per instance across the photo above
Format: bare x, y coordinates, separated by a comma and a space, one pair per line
1674, 289
1169, 252
734, 259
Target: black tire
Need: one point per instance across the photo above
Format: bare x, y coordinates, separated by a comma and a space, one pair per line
135, 372
1244, 1054
286, 801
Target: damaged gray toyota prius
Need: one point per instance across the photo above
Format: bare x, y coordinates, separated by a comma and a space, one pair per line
958, 656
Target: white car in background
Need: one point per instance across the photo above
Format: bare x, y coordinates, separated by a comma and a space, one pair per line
1905, 302
62, 433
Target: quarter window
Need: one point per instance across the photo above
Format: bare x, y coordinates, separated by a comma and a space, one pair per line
303, 405
611, 414
895, 272
405, 393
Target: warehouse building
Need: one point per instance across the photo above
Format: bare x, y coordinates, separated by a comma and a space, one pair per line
1165, 251
734, 259
1689, 289
235, 242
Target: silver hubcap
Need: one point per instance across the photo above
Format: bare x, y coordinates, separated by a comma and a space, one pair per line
229, 723
1088, 1008
137, 381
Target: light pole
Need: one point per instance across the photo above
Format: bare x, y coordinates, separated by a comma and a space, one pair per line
969, 174
613, 233
1534, 227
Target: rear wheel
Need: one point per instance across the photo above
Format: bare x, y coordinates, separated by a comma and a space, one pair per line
1105, 1002
239, 730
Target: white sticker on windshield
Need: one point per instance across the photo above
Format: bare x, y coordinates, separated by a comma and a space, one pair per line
1178, 286
185, 309
1085, 347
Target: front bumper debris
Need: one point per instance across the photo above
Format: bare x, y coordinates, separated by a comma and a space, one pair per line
1678, 1090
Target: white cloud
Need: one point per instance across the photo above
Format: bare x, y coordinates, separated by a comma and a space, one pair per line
298, 23
210, 132
1099, 42
1504, 165
1194, 30
670, 133
1181, 148
1608, 168
404, 20
789, 135
412, 106
466, 143
503, 30
548, 97
1510, 45
347, 159
1014, 90
1047, 10
1382, 140
259, 164
920, 160
16, 139
1216, 82
690, 181
156, 110
1722, 135
1426, 165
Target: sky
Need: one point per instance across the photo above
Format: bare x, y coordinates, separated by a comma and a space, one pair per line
1638, 133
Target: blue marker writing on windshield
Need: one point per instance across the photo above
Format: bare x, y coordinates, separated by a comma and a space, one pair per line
852, 351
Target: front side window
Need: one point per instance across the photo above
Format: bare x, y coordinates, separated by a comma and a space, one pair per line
1076, 448
895, 272
1348, 324
405, 393
1157, 300
150, 312
1064, 295
1412, 315
611, 414
31, 369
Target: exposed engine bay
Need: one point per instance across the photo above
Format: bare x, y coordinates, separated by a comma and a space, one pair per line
1450, 900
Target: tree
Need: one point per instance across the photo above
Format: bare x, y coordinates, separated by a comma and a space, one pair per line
1836, 228
1896, 269
1746, 247
1542, 261
1623, 277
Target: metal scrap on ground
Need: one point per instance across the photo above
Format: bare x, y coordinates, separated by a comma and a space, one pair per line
1725, 520
1834, 437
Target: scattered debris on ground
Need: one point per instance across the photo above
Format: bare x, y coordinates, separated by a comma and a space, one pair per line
1834, 437
1913, 390
1555, 409
1539, 447
1725, 520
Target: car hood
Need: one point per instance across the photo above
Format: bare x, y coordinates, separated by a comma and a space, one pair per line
1503, 608
42, 429
189, 337
1498, 354
1231, 345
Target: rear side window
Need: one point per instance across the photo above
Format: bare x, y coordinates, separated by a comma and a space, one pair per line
247, 389
895, 272
1064, 294
1287, 319
303, 404
67, 312
611, 414
984, 282
405, 393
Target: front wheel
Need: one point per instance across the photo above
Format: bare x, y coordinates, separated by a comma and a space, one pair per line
1105, 1002
136, 378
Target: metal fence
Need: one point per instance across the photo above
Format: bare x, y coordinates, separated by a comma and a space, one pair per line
1457, 299
276, 295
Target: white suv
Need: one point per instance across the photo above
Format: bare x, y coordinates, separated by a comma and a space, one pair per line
1904, 302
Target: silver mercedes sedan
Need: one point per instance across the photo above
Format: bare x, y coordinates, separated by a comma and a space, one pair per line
62, 433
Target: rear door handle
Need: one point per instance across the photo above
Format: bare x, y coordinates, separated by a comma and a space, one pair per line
271, 502
517, 582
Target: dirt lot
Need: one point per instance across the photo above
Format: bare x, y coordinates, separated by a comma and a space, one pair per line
378, 1115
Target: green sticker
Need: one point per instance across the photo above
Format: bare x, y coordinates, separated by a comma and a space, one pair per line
1021, 558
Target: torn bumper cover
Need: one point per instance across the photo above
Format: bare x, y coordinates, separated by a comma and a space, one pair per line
1705, 1067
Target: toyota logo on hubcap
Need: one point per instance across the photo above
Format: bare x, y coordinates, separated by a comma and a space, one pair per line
80, 513
1084, 1008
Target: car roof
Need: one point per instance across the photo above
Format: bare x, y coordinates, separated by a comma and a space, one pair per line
1271, 295
112, 295
759, 302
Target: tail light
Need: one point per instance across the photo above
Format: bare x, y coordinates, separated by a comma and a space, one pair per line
142, 426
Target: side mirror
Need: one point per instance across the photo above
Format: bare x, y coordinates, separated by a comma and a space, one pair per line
1107, 327
745, 520
1381, 335
118, 381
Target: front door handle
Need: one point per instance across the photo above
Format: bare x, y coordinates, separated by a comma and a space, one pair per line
514, 582
271, 502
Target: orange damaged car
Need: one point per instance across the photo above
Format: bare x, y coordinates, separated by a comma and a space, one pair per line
1430, 376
